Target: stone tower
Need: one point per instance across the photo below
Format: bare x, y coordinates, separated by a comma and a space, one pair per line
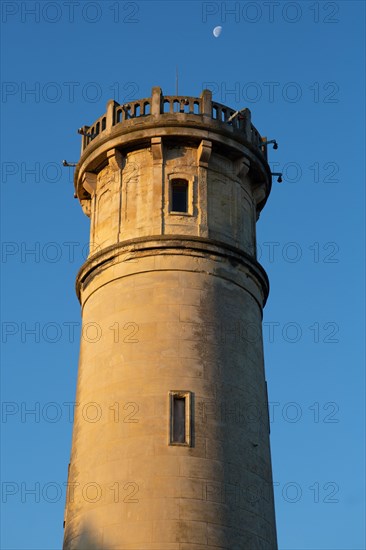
171, 445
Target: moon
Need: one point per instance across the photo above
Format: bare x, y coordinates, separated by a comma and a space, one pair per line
217, 31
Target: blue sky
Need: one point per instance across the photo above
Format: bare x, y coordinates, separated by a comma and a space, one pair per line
299, 67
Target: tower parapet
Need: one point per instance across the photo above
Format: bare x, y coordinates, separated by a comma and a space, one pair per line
158, 105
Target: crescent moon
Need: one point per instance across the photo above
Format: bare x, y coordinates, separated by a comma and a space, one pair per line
217, 31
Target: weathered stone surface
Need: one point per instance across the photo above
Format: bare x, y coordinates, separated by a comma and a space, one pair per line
171, 302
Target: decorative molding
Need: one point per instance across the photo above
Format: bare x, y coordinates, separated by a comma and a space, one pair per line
167, 244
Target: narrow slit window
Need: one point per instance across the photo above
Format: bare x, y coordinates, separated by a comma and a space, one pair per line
180, 418
179, 195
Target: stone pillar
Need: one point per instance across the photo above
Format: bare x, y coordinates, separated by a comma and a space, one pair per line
203, 156
206, 103
156, 97
111, 105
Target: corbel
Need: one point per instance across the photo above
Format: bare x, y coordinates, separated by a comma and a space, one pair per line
157, 149
115, 159
242, 167
89, 182
204, 153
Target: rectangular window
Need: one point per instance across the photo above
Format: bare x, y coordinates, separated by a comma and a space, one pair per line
179, 195
180, 418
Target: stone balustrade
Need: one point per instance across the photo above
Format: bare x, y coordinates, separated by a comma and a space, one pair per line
173, 106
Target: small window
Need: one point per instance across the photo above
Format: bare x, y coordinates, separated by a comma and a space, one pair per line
180, 418
179, 195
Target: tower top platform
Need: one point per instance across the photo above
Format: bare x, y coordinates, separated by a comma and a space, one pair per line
191, 119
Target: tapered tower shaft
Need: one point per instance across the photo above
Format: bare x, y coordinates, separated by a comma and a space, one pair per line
171, 445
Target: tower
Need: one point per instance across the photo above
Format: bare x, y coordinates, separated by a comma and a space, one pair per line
170, 445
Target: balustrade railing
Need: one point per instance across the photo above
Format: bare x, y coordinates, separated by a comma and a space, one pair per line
181, 104
158, 104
